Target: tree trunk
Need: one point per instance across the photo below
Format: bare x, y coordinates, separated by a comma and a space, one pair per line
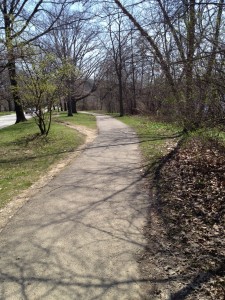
10, 105
134, 102
121, 96
190, 110
64, 106
202, 113
69, 107
20, 117
74, 106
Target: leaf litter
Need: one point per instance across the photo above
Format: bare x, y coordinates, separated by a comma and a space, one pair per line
185, 253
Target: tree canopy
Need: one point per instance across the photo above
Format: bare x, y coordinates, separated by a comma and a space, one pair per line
158, 57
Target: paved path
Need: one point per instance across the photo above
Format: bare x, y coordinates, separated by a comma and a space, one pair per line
8, 120
79, 237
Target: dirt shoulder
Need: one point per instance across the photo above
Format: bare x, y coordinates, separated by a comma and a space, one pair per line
7, 212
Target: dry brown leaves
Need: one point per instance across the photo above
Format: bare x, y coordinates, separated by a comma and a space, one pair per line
188, 246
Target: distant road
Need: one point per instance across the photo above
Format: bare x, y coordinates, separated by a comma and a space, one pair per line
9, 120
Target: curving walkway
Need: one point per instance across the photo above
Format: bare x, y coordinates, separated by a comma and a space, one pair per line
79, 237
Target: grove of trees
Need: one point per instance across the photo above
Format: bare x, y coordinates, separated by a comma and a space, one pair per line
159, 57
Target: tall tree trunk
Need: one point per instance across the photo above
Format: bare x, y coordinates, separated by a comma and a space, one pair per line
64, 106
74, 105
121, 95
190, 110
134, 102
10, 105
202, 113
69, 107
118, 61
20, 117
120, 73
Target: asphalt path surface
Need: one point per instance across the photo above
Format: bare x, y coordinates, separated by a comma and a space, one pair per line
79, 237
9, 120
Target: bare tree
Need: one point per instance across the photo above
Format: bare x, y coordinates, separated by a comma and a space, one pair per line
21, 23
186, 44
117, 42
76, 43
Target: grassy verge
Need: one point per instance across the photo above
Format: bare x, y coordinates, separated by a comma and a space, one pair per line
157, 139
4, 113
77, 119
25, 155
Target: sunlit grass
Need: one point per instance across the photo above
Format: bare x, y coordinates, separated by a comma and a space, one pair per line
77, 119
156, 137
5, 113
25, 155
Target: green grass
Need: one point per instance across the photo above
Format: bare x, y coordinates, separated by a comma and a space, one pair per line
4, 113
77, 119
156, 138
207, 134
25, 155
